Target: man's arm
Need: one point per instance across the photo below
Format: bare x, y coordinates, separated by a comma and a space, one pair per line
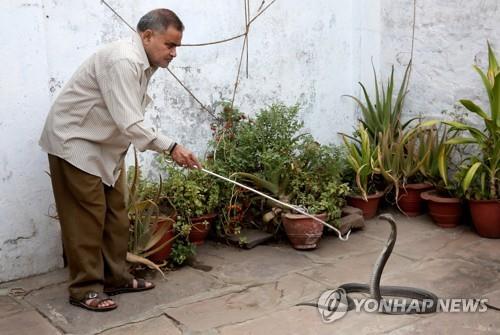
121, 93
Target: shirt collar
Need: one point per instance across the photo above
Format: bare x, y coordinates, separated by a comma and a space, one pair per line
137, 41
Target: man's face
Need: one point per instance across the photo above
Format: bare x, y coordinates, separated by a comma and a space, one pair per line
160, 46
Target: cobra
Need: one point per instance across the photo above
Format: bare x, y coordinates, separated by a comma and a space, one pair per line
379, 293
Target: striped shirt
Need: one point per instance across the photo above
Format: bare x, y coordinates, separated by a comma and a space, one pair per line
100, 112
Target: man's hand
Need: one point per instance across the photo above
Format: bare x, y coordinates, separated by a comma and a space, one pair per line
185, 157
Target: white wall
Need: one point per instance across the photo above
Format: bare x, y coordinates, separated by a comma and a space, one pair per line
450, 36
311, 52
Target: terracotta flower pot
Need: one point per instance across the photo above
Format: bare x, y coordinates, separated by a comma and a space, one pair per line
161, 255
369, 207
446, 212
200, 228
486, 217
302, 231
409, 200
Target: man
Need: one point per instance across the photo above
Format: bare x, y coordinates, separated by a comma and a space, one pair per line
97, 115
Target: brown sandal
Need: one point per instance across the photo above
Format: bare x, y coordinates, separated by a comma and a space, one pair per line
93, 305
129, 287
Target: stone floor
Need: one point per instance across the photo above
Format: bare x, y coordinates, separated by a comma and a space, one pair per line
255, 291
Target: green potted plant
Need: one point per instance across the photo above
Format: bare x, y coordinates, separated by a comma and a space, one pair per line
315, 185
151, 230
399, 160
269, 152
444, 201
262, 146
481, 180
195, 197
381, 120
312, 183
361, 156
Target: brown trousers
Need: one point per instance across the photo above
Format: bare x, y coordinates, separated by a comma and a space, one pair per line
94, 226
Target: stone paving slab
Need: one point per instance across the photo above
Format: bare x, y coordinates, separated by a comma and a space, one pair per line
356, 269
439, 242
246, 267
302, 320
26, 323
36, 282
250, 238
482, 250
155, 326
456, 323
409, 228
252, 302
448, 245
448, 277
52, 302
331, 249
10, 306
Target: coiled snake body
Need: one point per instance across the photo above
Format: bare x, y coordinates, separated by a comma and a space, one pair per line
427, 301
378, 292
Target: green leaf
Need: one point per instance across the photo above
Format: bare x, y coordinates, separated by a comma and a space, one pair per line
461, 140
442, 164
474, 109
485, 80
469, 176
495, 101
492, 61
259, 182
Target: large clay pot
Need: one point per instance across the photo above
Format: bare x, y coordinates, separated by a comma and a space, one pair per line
409, 200
303, 231
200, 228
486, 217
369, 207
168, 240
446, 212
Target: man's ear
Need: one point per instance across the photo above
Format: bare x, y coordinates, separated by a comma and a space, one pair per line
146, 35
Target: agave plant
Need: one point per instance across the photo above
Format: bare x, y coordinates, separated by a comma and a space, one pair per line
482, 178
382, 113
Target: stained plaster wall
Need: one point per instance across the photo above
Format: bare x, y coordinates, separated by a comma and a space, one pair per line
450, 36
299, 51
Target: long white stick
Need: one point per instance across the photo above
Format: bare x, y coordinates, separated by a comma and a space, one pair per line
281, 203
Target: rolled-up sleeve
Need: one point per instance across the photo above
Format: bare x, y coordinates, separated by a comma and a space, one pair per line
121, 91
